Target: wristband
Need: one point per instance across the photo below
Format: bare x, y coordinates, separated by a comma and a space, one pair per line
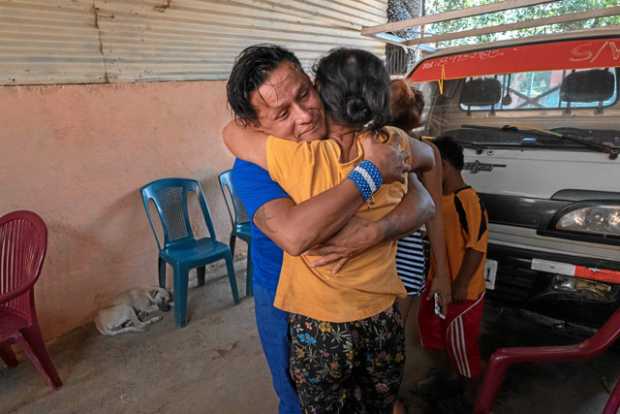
367, 178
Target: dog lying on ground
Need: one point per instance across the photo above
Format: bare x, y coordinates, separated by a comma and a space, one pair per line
133, 311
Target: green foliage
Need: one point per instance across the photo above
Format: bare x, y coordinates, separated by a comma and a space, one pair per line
525, 13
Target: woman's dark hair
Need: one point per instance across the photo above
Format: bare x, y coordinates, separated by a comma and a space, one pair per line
355, 88
406, 105
252, 67
450, 151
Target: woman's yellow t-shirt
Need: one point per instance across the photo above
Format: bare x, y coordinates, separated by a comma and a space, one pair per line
368, 283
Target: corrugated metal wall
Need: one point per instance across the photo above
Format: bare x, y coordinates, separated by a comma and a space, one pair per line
92, 41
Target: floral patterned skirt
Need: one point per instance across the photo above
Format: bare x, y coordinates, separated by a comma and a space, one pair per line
351, 367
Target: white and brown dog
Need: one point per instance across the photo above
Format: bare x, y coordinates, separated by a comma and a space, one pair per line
133, 311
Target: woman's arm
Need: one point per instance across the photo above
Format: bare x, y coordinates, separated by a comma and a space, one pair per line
442, 281
422, 157
358, 235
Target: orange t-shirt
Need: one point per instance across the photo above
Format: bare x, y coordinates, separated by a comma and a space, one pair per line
465, 227
368, 283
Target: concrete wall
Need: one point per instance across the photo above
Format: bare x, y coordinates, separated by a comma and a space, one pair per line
77, 156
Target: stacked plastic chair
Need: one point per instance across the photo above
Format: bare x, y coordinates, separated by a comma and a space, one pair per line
240, 223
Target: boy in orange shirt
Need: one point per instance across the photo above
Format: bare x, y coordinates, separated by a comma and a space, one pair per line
466, 233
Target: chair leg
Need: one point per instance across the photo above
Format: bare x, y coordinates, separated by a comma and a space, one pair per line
232, 278
7, 355
181, 279
37, 353
200, 273
248, 274
232, 243
491, 384
162, 273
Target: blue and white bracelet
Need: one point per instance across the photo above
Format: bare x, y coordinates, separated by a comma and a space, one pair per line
367, 178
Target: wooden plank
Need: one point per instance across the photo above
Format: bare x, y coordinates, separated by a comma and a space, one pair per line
608, 11
456, 14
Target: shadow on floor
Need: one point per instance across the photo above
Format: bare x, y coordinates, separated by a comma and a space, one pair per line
214, 365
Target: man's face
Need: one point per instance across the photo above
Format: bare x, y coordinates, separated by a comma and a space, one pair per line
288, 106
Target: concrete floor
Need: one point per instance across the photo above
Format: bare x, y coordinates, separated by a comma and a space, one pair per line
567, 388
215, 365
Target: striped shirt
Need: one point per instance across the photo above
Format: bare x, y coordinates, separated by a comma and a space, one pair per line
411, 262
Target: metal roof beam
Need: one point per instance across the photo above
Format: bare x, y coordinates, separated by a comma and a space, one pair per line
571, 17
452, 15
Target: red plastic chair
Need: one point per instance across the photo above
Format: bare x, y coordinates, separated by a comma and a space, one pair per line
23, 243
503, 358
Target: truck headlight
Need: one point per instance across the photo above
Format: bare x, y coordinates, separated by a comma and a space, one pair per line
600, 220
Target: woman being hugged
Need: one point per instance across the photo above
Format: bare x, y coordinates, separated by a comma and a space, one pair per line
412, 259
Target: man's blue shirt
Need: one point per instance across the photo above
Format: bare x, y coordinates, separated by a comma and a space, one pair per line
254, 187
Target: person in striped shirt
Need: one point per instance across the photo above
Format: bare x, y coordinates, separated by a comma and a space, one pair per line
416, 251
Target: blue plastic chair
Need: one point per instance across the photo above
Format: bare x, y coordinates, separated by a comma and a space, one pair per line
180, 248
239, 221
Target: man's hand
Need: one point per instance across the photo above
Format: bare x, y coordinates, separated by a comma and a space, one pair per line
422, 156
391, 161
356, 237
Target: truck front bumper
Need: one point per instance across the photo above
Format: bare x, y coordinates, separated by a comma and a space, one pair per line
573, 289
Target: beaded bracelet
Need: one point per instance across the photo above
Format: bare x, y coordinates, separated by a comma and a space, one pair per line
367, 178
